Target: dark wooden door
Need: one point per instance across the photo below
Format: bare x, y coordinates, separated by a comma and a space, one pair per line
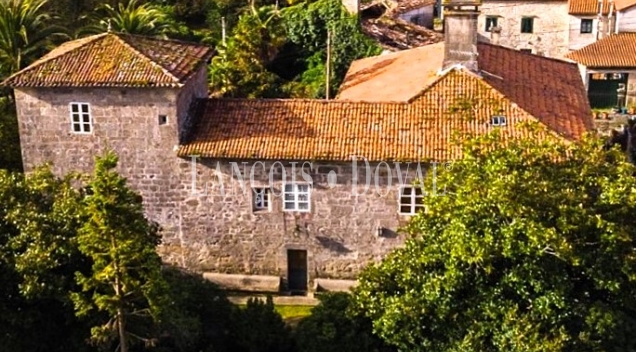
297, 270
602, 89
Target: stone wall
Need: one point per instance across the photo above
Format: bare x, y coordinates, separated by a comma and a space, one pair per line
220, 232
578, 40
195, 87
123, 120
626, 20
550, 31
423, 14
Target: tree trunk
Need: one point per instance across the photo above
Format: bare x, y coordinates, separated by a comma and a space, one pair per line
121, 318
121, 326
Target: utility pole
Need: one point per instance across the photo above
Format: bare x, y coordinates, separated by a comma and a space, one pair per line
223, 29
328, 65
599, 26
611, 27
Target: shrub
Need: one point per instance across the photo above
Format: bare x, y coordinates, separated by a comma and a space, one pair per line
330, 327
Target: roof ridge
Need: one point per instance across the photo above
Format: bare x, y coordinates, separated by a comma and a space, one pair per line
39, 62
306, 100
146, 57
172, 40
530, 54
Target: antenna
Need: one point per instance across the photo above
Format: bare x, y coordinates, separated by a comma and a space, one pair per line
328, 65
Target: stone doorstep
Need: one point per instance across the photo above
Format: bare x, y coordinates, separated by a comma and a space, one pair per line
248, 283
321, 285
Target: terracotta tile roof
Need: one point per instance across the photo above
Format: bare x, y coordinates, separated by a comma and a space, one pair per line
114, 60
391, 75
337, 130
394, 34
586, 7
549, 89
621, 5
618, 50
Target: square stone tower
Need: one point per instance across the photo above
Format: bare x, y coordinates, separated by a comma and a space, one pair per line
126, 93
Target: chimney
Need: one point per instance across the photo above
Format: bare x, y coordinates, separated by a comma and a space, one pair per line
460, 33
495, 33
352, 6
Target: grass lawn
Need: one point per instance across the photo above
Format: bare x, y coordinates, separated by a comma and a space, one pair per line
288, 312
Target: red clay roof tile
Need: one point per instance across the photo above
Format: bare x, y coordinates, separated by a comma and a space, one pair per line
617, 50
114, 60
549, 89
422, 129
587, 7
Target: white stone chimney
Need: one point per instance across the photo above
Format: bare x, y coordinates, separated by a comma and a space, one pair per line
460, 33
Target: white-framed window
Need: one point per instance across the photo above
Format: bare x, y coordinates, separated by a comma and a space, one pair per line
260, 199
81, 120
296, 197
411, 200
498, 120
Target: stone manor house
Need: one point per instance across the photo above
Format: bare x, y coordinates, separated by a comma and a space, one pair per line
305, 221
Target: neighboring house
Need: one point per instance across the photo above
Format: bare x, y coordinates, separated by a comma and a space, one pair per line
308, 216
591, 20
419, 12
397, 25
608, 67
587, 22
625, 15
396, 34
539, 26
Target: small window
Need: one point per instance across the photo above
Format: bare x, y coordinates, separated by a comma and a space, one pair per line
81, 121
163, 119
586, 25
498, 120
411, 200
491, 21
260, 199
296, 197
527, 24
417, 20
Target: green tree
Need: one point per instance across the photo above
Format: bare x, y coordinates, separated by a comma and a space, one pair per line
530, 249
132, 17
259, 328
240, 69
332, 327
201, 316
38, 259
307, 24
10, 155
26, 33
126, 280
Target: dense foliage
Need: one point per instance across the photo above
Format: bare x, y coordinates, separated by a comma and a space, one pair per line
333, 327
531, 249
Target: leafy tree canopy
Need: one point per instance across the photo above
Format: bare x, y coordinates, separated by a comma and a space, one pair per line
530, 249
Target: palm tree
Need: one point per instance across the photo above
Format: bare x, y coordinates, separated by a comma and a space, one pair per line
26, 33
133, 18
